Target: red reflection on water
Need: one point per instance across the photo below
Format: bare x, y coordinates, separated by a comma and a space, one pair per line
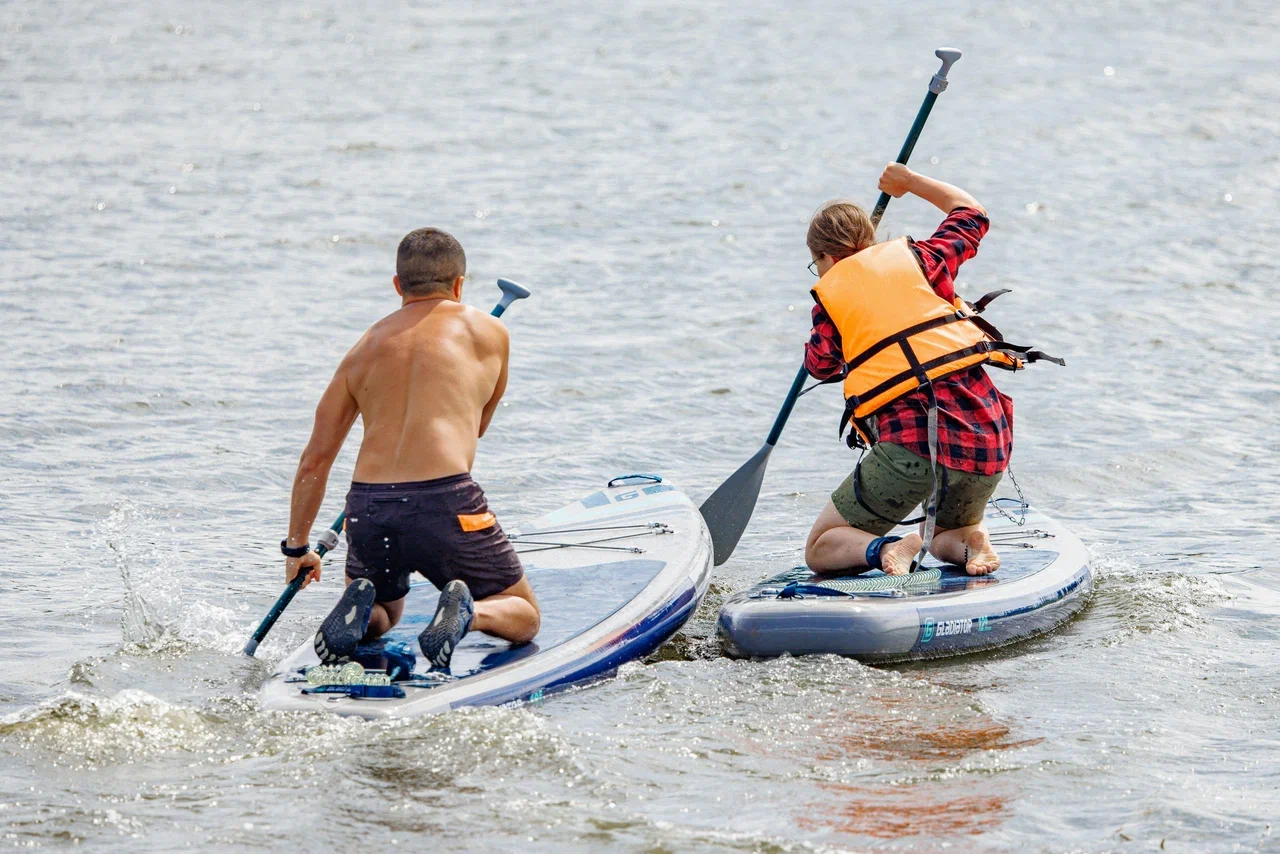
905, 739
890, 812
961, 806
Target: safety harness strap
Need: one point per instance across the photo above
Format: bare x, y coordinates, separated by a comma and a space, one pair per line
931, 511
913, 370
987, 326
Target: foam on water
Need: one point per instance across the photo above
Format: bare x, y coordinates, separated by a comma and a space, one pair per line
83, 732
1141, 599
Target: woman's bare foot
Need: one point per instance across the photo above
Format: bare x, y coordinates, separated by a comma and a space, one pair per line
980, 557
895, 558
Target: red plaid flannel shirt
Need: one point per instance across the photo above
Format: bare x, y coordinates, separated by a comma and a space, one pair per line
975, 421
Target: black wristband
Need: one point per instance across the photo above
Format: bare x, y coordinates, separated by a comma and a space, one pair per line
296, 551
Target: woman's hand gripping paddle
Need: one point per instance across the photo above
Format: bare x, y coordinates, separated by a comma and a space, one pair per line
328, 541
729, 508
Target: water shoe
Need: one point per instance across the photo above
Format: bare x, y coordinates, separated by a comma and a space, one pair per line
346, 624
452, 621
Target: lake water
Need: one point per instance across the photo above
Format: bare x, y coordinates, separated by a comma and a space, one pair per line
201, 207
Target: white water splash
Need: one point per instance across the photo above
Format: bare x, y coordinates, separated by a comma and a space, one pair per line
146, 571
1141, 601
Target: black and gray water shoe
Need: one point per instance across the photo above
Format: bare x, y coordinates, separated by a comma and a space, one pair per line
454, 615
346, 624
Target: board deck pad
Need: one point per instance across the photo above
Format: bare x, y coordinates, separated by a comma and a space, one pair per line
933, 577
571, 600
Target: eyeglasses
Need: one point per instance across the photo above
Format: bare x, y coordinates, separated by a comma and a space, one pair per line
813, 267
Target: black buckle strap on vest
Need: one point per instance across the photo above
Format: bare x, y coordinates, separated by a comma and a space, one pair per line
921, 375
980, 347
850, 404
855, 440
899, 337
981, 305
987, 327
1041, 356
1027, 354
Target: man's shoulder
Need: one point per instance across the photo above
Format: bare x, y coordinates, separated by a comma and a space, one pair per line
482, 323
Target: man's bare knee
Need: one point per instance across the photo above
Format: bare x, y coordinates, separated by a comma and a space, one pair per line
533, 627
513, 614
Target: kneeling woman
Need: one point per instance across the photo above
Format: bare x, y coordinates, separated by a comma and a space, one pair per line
872, 300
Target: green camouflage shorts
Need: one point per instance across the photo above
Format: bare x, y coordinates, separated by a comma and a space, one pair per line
894, 481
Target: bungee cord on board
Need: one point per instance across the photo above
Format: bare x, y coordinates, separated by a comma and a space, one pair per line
647, 529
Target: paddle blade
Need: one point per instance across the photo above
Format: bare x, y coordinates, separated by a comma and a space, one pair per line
729, 508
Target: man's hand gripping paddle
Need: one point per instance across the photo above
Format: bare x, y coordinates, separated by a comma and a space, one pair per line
729, 508
328, 541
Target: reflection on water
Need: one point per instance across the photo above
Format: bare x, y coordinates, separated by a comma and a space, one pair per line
930, 810
906, 739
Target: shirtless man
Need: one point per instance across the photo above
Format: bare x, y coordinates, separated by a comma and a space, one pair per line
426, 379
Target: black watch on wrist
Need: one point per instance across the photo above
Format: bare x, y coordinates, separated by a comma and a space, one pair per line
296, 551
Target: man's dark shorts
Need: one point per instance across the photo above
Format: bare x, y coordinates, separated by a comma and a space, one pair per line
441, 528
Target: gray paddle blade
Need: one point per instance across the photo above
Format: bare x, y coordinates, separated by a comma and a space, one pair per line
729, 508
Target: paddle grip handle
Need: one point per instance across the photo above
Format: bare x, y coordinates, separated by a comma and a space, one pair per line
511, 291
937, 86
949, 56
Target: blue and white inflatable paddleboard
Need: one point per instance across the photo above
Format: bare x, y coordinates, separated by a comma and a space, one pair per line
1044, 579
616, 574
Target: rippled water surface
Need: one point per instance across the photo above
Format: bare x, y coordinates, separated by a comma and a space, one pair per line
201, 208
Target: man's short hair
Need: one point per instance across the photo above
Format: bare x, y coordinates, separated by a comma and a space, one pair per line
428, 261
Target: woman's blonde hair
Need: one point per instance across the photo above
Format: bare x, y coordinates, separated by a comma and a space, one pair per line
840, 228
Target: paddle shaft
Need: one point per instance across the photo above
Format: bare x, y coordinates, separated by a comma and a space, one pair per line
290, 590
905, 154
510, 293
787, 405
937, 86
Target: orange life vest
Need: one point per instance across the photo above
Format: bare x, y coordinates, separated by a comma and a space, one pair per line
897, 333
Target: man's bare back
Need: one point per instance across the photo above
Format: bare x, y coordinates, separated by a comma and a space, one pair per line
426, 379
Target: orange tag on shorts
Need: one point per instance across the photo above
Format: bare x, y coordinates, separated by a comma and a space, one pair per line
477, 521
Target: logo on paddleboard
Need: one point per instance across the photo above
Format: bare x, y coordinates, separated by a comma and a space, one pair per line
944, 628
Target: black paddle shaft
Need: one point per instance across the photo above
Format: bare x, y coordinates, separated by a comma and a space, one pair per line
937, 86
905, 154
728, 510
